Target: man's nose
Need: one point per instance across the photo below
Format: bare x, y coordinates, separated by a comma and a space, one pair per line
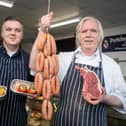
88, 33
13, 31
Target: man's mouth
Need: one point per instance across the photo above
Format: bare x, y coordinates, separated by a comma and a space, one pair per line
12, 38
88, 40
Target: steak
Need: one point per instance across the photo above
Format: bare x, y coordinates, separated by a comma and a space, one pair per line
91, 82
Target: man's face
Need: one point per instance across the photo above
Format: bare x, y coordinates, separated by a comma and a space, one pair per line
89, 36
12, 33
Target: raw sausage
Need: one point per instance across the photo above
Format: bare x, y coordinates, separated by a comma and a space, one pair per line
46, 69
56, 63
46, 90
51, 66
47, 46
57, 92
53, 45
38, 82
55, 85
41, 41
47, 110
39, 62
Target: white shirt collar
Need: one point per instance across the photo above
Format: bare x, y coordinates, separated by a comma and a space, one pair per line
92, 60
11, 53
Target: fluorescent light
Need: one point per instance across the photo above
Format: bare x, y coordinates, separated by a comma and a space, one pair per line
6, 3
65, 22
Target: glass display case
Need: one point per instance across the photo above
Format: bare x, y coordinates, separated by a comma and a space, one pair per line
33, 108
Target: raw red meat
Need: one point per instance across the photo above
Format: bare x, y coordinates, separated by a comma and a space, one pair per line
91, 83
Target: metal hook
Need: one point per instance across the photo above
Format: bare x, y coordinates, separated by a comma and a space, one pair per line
48, 6
48, 11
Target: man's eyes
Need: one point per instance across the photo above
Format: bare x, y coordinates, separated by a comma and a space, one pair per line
8, 29
16, 30
91, 30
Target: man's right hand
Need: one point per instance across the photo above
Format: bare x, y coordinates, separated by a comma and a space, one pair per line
46, 21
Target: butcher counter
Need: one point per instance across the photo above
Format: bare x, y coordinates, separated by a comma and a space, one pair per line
34, 114
115, 118
33, 108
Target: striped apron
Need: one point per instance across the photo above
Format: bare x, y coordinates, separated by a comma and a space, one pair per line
73, 109
12, 108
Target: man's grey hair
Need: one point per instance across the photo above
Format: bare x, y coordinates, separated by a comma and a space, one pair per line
80, 24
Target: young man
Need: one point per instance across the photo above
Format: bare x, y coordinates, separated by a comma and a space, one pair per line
13, 65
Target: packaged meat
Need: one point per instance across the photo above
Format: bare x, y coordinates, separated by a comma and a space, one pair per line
23, 87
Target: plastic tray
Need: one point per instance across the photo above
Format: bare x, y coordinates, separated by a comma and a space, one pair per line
15, 83
2, 96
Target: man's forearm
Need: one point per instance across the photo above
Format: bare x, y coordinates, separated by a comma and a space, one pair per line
112, 101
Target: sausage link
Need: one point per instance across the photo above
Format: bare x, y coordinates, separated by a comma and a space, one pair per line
55, 85
46, 90
50, 110
53, 45
39, 62
53, 80
44, 109
47, 46
51, 66
46, 69
41, 41
56, 63
47, 110
38, 82
57, 92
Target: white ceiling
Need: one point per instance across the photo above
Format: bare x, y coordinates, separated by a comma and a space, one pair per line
111, 12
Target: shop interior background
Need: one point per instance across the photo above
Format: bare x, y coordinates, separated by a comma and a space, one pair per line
110, 12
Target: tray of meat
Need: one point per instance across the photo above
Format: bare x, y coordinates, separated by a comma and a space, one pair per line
3, 92
23, 87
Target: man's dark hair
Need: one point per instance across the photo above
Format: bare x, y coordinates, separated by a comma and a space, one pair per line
12, 18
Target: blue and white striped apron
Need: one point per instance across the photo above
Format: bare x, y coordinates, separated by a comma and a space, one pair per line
73, 109
12, 108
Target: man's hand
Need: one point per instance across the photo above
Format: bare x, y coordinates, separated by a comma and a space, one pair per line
91, 99
46, 21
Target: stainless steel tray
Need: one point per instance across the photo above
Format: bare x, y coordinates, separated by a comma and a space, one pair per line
16, 82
